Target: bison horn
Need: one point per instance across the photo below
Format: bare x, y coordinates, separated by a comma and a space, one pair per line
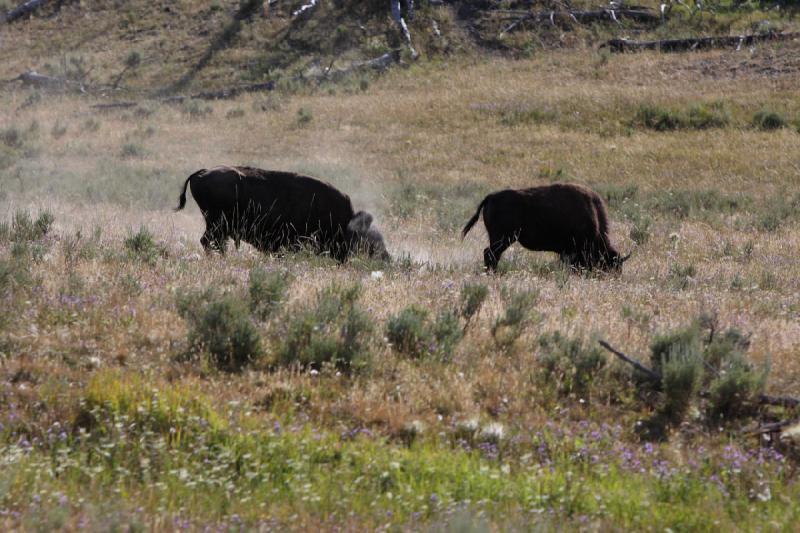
623, 259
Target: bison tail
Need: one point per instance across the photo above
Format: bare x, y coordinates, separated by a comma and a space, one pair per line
474, 219
182, 199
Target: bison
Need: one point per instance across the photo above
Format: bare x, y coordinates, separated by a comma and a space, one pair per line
272, 209
565, 218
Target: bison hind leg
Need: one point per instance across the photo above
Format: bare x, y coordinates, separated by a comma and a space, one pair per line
215, 235
492, 253
212, 241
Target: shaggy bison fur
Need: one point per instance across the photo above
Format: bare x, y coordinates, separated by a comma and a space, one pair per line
565, 218
271, 210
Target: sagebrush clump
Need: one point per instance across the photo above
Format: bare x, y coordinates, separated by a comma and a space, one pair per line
142, 246
700, 357
519, 313
268, 290
220, 325
411, 332
570, 364
334, 330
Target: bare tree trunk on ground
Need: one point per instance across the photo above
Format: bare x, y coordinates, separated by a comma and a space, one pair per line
24, 9
701, 43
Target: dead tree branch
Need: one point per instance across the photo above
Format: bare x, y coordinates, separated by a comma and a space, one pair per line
642, 15
42, 81
633, 362
779, 401
701, 43
24, 9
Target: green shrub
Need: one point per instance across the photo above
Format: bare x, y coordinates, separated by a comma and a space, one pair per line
412, 333
518, 314
681, 374
447, 332
704, 116
131, 150
304, 116
235, 113
195, 109
682, 275
699, 117
520, 115
768, 120
682, 202
616, 195
682, 340
472, 297
143, 246
640, 230
777, 210
569, 363
688, 358
25, 229
736, 390
12, 137
268, 291
335, 330
658, 118
77, 247
409, 331
221, 325
59, 130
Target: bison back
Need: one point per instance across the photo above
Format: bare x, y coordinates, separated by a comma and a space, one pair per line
293, 205
558, 217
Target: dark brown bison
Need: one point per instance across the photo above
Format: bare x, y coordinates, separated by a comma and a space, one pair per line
271, 209
568, 219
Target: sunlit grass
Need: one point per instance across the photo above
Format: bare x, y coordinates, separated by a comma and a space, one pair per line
93, 346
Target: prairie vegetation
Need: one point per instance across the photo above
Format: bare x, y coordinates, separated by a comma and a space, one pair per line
146, 385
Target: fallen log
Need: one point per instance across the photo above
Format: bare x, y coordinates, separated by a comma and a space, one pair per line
779, 401
24, 9
379, 63
700, 43
232, 92
773, 427
642, 15
114, 105
42, 81
633, 362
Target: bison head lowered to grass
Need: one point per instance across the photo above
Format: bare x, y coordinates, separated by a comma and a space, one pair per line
568, 219
272, 209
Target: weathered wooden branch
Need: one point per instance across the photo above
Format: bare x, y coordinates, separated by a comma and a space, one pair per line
633, 362
700, 43
114, 105
304, 8
24, 9
232, 92
640, 14
379, 63
42, 81
772, 428
779, 401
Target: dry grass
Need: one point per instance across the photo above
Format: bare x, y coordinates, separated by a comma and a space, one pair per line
431, 127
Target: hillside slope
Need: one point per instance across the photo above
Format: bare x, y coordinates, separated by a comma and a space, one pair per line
168, 46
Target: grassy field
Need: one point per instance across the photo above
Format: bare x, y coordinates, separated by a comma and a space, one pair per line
148, 386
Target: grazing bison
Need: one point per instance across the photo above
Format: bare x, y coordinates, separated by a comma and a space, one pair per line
271, 209
564, 218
